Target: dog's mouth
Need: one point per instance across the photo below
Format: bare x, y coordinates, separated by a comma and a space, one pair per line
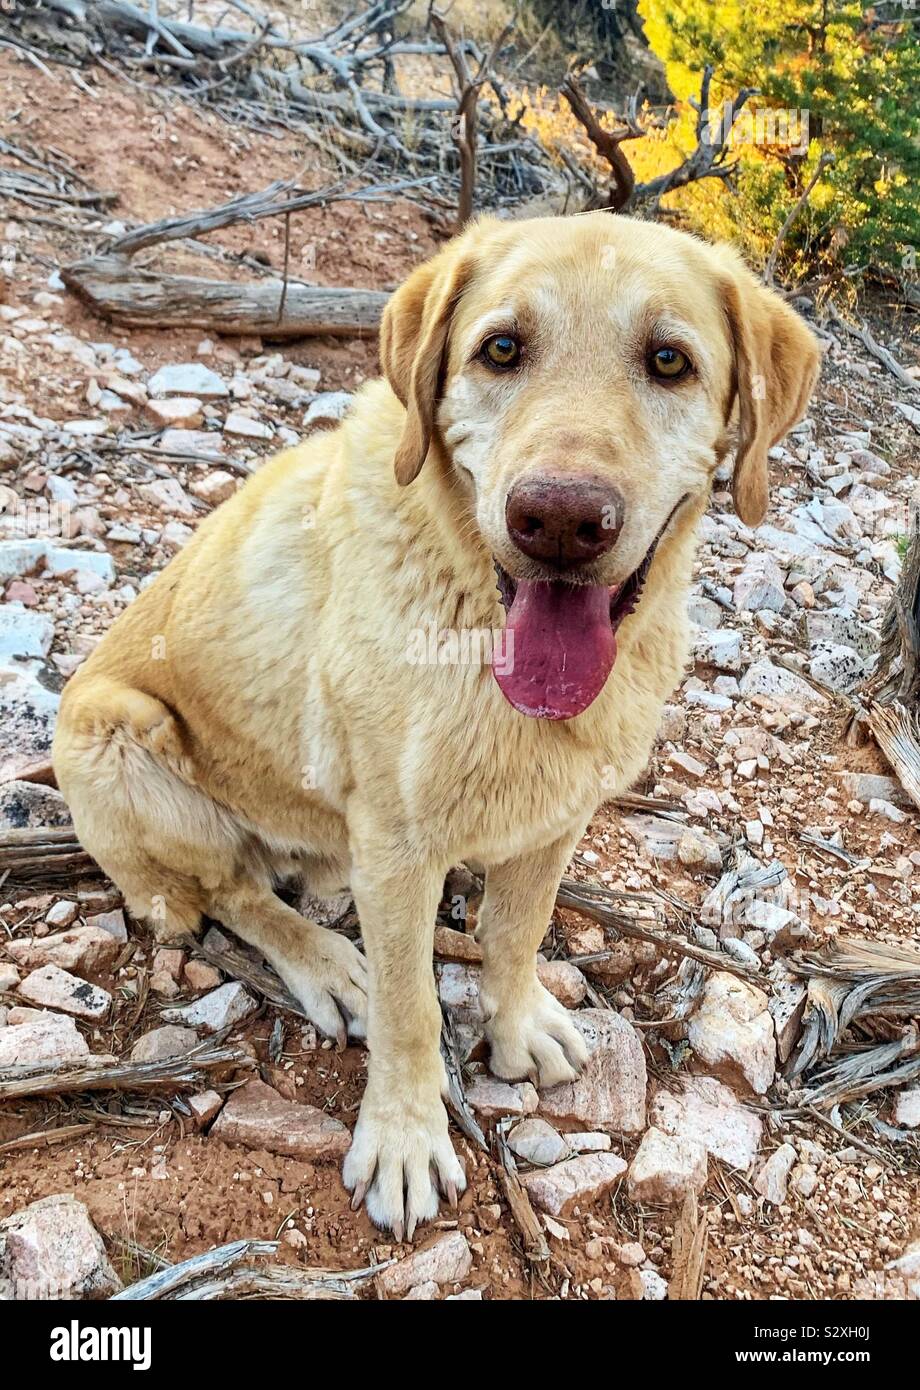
561, 638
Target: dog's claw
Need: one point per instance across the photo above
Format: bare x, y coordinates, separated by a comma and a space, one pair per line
358, 1195
451, 1195
398, 1230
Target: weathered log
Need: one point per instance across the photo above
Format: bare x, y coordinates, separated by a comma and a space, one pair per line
125, 294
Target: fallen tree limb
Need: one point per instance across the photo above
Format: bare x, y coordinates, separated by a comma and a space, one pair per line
119, 291
891, 696
874, 348
30, 856
535, 1244
174, 1073
596, 903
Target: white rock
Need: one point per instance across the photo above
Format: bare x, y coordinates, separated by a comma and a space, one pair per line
534, 1141
48, 1039
27, 714
907, 1108
648, 1284
760, 585
244, 427
589, 1142
838, 667
328, 409
878, 807
186, 379
732, 1032
167, 495
53, 988
222, 1008
214, 487
763, 678
721, 648
24, 632
96, 564
182, 411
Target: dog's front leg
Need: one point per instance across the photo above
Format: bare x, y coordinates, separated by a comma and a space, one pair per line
401, 1149
530, 1032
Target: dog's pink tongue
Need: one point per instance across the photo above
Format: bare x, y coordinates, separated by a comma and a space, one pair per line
560, 651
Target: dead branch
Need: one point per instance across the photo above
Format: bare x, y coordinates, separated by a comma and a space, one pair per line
236, 961
892, 694
691, 1241
709, 159
525, 1218
174, 1073
220, 1273
826, 159
597, 903
28, 856
139, 298
873, 347
464, 130
607, 143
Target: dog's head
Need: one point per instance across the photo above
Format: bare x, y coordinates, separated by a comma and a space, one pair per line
585, 377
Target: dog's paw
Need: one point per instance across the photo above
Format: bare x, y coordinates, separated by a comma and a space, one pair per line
535, 1038
399, 1157
329, 981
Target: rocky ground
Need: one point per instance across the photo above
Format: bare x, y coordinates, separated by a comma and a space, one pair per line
768, 831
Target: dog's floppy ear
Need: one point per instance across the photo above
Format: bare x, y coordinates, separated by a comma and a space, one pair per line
776, 366
413, 347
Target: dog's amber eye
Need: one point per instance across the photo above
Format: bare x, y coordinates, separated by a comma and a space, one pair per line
502, 350
668, 363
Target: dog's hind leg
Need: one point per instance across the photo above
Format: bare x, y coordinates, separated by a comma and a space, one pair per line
123, 766
323, 970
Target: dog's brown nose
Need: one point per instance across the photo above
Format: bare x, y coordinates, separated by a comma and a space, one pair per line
564, 520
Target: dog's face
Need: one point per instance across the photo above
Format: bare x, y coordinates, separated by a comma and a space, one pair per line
582, 375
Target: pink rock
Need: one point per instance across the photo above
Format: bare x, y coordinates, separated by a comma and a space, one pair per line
564, 981
51, 1249
169, 961
204, 1106
82, 950
446, 1260
159, 1043
576, 1181
19, 591
666, 1167
198, 975
610, 1093
732, 1032
710, 1113
492, 1099
258, 1117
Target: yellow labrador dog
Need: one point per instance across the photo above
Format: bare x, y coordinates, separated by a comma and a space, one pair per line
557, 397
